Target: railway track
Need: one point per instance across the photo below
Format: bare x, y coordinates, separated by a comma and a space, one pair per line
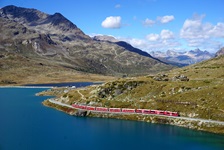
184, 118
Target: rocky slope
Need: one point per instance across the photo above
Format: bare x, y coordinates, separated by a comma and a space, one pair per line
54, 40
220, 52
123, 44
106, 38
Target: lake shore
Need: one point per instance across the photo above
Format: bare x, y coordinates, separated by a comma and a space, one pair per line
10, 80
200, 124
17, 86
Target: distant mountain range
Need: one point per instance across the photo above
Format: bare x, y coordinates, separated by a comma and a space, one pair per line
182, 58
55, 40
170, 57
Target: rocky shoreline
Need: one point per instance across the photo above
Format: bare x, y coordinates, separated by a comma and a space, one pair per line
191, 124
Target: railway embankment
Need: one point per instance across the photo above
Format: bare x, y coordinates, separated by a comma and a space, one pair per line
191, 123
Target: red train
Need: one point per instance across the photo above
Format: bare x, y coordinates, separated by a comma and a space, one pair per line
126, 110
114, 109
101, 109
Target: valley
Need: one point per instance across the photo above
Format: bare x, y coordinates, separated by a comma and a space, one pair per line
36, 47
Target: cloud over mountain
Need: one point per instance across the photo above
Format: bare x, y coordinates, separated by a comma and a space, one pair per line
112, 22
152, 37
194, 33
166, 34
197, 33
163, 41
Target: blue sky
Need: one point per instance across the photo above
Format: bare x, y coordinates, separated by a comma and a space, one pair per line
150, 25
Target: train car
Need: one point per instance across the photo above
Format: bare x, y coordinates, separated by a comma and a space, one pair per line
167, 113
90, 108
101, 109
127, 110
74, 105
139, 110
115, 109
153, 111
82, 106
146, 111
175, 114
160, 112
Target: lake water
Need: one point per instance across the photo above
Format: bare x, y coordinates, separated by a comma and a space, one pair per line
25, 124
76, 84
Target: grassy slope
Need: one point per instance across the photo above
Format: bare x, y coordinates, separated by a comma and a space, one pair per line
17, 69
201, 97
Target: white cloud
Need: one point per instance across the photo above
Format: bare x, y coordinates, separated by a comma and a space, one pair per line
197, 33
165, 19
193, 29
163, 41
217, 30
194, 33
138, 42
166, 34
118, 6
147, 22
153, 37
112, 22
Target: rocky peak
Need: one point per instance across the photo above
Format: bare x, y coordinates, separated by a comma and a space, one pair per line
171, 53
197, 50
105, 38
22, 14
59, 20
198, 53
220, 52
43, 23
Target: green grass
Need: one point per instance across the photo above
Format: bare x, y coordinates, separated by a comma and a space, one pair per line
201, 97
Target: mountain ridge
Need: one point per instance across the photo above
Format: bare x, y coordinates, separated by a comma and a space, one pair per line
219, 52
57, 41
125, 45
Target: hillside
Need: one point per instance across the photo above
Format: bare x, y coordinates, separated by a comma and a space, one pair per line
123, 44
195, 91
55, 41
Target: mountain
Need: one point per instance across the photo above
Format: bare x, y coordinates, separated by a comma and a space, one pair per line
106, 38
123, 44
182, 58
56, 25
52, 40
220, 52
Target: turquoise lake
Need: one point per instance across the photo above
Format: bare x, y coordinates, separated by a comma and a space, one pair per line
25, 124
